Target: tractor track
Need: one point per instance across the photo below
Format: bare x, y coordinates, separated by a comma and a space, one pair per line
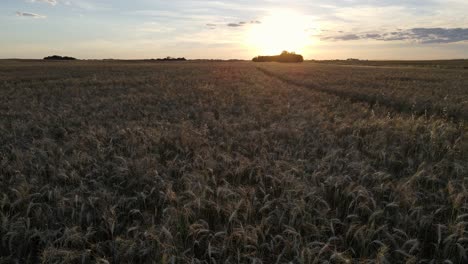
373, 100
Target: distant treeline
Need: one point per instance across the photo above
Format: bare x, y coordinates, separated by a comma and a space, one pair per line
56, 57
169, 59
283, 57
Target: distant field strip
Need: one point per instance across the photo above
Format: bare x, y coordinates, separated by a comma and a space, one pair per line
383, 96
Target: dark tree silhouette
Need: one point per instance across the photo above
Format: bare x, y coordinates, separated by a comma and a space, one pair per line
285, 56
56, 57
172, 59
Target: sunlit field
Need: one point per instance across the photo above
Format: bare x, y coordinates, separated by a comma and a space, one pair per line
232, 162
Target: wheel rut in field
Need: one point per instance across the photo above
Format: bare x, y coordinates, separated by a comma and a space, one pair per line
351, 97
372, 100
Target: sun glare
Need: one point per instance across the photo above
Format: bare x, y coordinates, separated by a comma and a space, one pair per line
281, 30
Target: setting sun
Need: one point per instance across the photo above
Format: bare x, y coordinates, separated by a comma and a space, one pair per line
281, 30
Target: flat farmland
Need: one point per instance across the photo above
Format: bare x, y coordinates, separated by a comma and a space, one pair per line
232, 162
416, 90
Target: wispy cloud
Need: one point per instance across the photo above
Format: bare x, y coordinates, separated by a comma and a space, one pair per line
211, 26
344, 37
237, 24
50, 2
31, 15
419, 35
440, 35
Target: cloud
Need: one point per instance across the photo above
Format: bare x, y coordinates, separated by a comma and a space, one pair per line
211, 26
243, 23
347, 37
419, 35
372, 36
441, 35
31, 15
234, 25
51, 2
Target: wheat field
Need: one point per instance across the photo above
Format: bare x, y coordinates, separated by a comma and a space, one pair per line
232, 162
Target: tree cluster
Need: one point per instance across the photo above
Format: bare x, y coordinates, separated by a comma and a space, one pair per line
285, 56
170, 59
56, 57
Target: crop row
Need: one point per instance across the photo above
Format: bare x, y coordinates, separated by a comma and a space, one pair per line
412, 90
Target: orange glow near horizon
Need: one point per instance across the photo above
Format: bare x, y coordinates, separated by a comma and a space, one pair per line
281, 30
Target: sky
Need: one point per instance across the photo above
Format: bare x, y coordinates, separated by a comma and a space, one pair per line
237, 29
